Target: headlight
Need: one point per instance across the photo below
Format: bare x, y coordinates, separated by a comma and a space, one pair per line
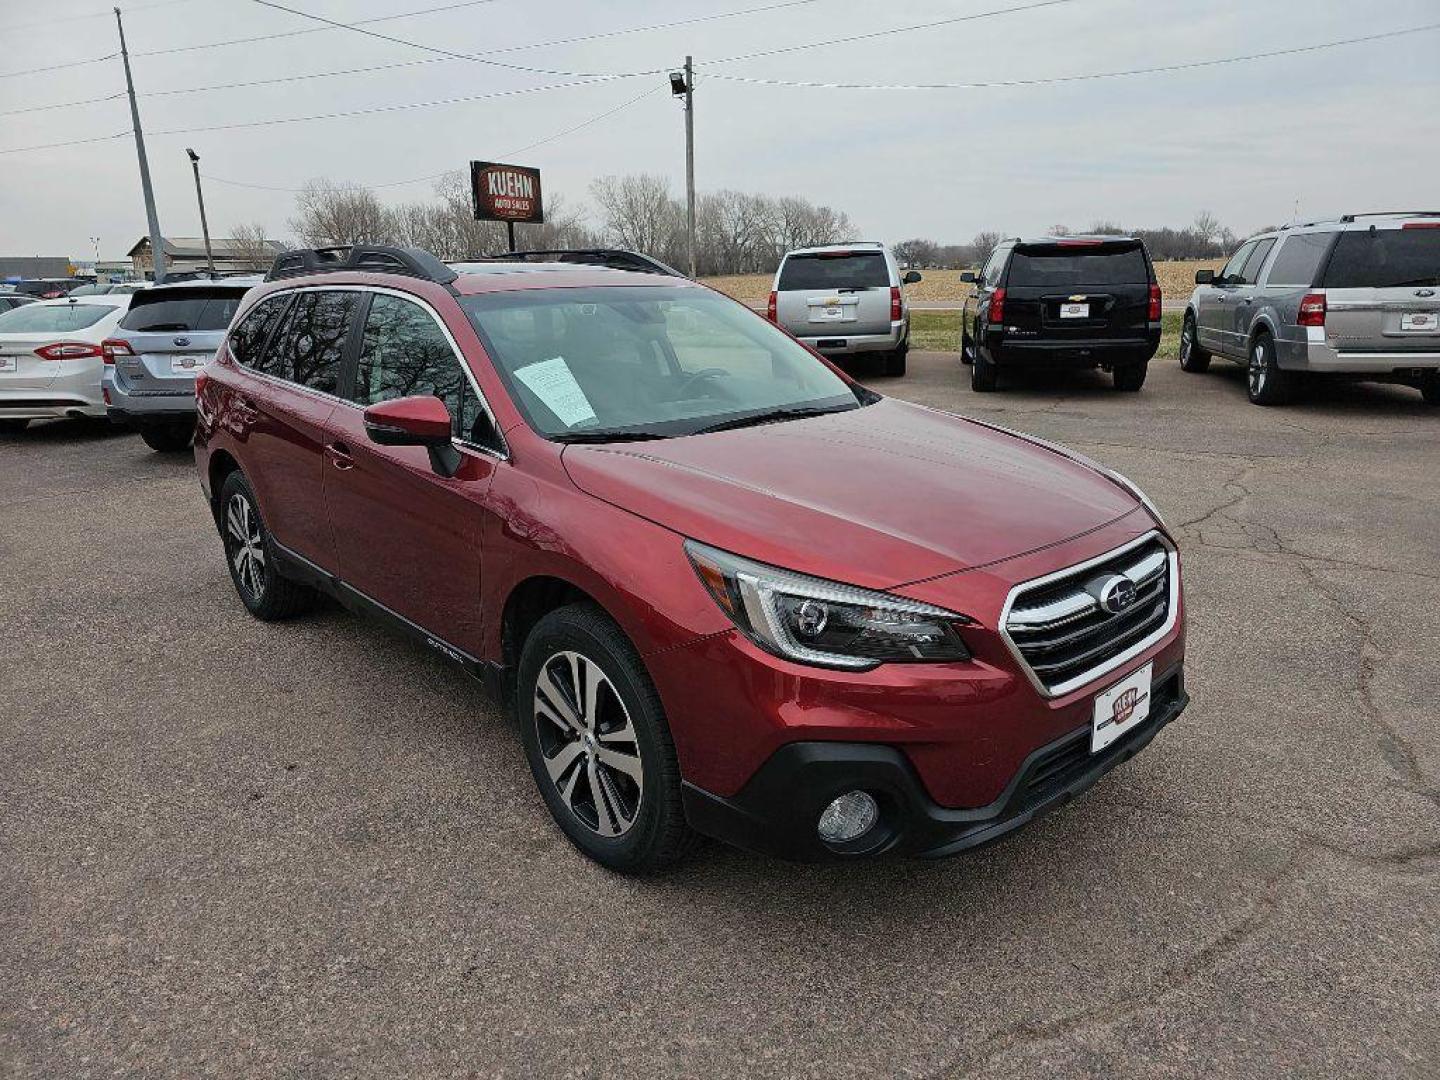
823, 622
1130, 486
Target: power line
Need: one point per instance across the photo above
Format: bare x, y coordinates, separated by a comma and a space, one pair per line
69, 142
886, 33
58, 67
358, 29
95, 15
61, 105
1049, 80
435, 176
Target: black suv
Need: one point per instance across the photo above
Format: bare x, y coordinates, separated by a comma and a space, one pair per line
1062, 301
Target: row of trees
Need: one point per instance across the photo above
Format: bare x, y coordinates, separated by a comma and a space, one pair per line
736, 232
1205, 238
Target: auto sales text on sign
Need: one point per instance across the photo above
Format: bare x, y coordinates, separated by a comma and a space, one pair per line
506, 192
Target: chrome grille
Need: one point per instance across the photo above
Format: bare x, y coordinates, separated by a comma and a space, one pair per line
1066, 637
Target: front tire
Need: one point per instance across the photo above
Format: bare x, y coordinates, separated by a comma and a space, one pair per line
250, 554
984, 376
1266, 382
598, 744
168, 438
967, 348
1130, 377
1430, 387
1192, 357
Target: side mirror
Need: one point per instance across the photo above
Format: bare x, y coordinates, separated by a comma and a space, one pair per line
969, 277
1204, 277
910, 278
415, 421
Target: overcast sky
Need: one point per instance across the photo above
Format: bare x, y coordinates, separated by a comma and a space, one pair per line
1338, 130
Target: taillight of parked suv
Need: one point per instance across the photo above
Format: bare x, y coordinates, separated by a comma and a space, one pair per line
1312, 310
770, 306
997, 306
1155, 298
895, 303
113, 347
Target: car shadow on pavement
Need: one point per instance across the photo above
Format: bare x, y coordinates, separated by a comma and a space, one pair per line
1352, 397
56, 432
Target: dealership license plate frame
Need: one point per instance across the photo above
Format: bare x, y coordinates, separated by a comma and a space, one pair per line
9, 365
1420, 322
188, 363
1074, 311
1105, 728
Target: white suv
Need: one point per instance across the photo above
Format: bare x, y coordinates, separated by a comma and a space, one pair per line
845, 299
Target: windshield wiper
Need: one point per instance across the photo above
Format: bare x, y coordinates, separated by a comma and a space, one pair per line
607, 436
770, 416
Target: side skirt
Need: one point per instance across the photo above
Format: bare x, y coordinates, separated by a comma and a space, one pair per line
295, 566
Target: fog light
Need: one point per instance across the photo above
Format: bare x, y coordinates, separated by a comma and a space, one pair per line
848, 818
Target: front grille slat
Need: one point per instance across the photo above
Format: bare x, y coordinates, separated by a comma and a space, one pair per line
1065, 636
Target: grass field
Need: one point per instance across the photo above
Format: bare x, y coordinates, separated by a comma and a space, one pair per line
939, 331
1176, 279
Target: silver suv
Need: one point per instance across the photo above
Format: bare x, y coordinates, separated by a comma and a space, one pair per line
843, 300
1359, 296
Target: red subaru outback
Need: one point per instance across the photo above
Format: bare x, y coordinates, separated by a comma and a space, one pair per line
726, 590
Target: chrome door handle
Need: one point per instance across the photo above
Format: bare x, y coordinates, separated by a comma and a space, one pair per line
339, 455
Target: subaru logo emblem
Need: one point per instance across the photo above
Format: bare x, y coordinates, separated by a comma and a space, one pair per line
181, 342
1424, 292
1116, 593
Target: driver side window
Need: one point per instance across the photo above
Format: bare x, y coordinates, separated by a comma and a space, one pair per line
1231, 274
403, 353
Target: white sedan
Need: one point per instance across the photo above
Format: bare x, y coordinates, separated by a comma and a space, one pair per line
50, 358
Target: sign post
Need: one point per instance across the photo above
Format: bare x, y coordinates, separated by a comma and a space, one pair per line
507, 193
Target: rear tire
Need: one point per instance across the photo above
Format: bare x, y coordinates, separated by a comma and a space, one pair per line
1192, 357
967, 348
984, 377
1430, 387
598, 744
1266, 382
13, 427
250, 555
895, 361
1130, 377
168, 438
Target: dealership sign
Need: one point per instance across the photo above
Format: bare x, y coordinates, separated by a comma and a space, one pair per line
506, 192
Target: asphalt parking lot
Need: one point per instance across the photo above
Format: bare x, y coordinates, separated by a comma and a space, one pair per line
238, 849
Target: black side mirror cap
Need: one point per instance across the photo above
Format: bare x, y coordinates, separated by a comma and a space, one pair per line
968, 277
1204, 277
910, 278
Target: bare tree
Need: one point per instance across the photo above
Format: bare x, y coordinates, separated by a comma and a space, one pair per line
637, 212
917, 252
1207, 225
983, 244
251, 247
328, 213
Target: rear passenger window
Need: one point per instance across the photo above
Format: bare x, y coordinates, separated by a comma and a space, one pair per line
1251, 274
247, 340
314, 339
1299, 258
404, 353
1386, 259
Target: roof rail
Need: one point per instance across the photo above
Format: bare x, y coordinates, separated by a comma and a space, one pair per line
369, 258
613, 258
1348, 218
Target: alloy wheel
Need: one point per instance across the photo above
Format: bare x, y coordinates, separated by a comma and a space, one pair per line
588, 744
244, 543
1259, 369
1187, 341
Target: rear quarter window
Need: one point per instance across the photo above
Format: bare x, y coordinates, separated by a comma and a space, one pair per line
182, 313
1385, 259
854, 270
247, 340
1299, 260
1060, 269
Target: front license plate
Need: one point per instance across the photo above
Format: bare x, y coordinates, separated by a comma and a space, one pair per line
1124, 706
188, 364
1074, 311
1420, 320
9, 363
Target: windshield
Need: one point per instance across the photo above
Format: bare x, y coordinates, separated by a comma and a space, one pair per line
1060, 268
47, 319
1385, 259
835, 270
192, 310
642, 360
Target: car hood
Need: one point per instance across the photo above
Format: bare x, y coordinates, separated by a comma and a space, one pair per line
879, 496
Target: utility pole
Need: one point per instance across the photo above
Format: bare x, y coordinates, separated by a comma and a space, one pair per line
204, 225
157, 244
685, 85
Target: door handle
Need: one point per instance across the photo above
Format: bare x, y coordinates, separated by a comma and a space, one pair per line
1247, 300
339, 455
